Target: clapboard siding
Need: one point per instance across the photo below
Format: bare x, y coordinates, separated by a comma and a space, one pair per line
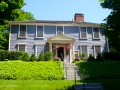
50, 31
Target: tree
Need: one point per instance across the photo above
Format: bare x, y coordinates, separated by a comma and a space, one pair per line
112, 25
10, 10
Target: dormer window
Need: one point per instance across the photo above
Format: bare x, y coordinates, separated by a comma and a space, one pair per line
59, 30
22, 31
39, 32
96, 33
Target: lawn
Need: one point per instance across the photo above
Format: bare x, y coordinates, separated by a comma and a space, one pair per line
36, 85
108, 84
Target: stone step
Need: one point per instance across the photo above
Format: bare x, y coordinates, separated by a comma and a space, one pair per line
90, 86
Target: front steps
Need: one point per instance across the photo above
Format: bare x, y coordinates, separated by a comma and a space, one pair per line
71, 71
89, 86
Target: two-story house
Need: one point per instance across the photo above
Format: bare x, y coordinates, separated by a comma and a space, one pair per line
65, 38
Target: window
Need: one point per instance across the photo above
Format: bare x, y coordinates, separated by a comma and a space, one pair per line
22, 31
96, 33
39, 48
84, 49
39, 31
97, 49
21, 48
83, 33
59, 30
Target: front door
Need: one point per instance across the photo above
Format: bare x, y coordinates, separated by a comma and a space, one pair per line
60, 53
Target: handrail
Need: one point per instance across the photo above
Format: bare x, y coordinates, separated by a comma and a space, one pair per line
65, 68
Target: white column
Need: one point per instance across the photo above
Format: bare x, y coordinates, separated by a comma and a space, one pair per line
50, 47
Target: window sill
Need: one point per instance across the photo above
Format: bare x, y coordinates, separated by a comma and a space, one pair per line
22, 37
96, 38
83, 38
39, 37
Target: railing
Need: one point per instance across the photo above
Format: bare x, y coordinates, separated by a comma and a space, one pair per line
65, 68
81, 78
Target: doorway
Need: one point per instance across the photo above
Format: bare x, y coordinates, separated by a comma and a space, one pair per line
60, 53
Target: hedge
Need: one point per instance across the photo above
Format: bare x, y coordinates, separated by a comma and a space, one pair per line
20, 70
13, 55
99, 70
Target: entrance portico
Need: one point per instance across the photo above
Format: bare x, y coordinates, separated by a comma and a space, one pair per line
63, 47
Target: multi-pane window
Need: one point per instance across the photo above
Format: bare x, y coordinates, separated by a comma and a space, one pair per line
84, 49
22, 31
97, 50
39, 31
96, 33
59, 30
21, 48
83, 33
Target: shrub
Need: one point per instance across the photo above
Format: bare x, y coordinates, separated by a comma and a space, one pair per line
83, 56
20, 70
99, 57
100, 70
13, 55
41, 57
49, 56
91, 58
33, 57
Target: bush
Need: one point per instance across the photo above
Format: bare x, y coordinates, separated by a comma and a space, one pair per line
41, 57
33, 57
83, 56
99, 57
49, 56
20, 70
91, 58
13, 55
100, 70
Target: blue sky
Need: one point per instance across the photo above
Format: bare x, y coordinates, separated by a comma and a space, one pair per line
65, 9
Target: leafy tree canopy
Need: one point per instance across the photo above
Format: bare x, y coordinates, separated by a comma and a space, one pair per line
112, 25
10, 9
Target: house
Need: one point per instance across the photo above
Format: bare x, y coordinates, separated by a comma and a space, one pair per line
64, 38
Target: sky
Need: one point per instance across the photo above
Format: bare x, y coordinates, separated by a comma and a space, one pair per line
64, 10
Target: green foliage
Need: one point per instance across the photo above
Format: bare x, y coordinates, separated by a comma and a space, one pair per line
49, 56
33, 57
31, 70
112, 29
41, 57
13, 55
100, 70
99, 57
83, 56
91, 58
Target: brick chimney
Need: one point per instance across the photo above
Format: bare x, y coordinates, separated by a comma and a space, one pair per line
78, 17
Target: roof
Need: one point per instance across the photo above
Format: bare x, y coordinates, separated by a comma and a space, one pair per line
31, 22
61, 38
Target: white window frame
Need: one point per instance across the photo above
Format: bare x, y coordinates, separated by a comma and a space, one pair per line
25, 32
81, 49
22, 44
36, 48
80, 28
57, 30
95, 50
93, 32
36, 31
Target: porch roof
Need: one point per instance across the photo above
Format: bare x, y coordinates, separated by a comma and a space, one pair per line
60, 38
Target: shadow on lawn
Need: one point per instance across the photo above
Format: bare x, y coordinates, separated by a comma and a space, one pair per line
66, 88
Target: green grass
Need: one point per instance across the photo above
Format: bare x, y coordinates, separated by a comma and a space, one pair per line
108, 84
36, 85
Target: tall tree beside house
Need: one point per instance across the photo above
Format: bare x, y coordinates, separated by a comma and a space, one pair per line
10, 10
112, 25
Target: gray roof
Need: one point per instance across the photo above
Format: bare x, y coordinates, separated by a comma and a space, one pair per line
53, 22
